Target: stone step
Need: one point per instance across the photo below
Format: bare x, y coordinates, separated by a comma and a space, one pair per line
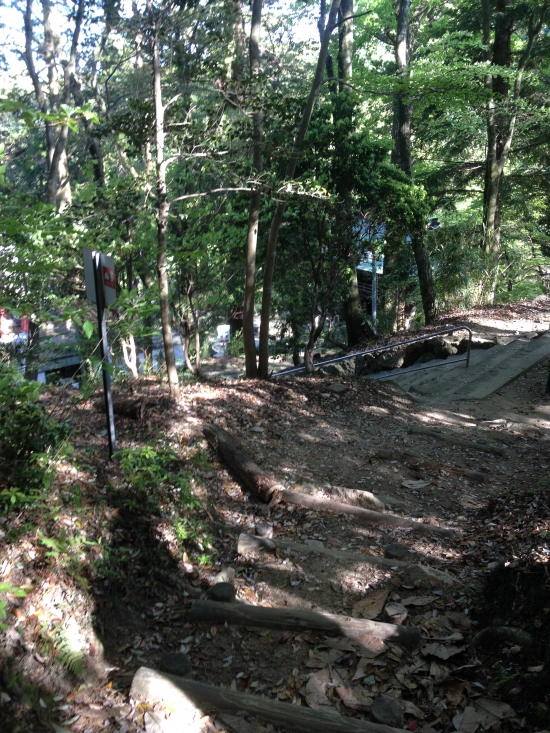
489, 371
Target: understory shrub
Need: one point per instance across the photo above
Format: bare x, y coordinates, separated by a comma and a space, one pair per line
28, 435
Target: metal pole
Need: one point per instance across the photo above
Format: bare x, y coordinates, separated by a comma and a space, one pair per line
104, 350
374, 294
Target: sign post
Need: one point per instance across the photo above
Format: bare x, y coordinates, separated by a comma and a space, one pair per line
375, 267
374, 293
101, 288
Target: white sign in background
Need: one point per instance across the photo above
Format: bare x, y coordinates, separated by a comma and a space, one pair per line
366, 264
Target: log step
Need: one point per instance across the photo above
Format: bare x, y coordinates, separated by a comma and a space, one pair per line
191, 700
242, 614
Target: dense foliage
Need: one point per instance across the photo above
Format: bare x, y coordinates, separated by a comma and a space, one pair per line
156, 136
28, 436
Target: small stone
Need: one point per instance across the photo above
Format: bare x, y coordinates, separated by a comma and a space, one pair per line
315, 544
264, 529
395, 552
395, 613
337, 388
223, 592
422, 576
176, 663
387, 710
225, 576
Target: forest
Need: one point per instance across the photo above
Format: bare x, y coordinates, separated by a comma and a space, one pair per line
240, 162
267, 184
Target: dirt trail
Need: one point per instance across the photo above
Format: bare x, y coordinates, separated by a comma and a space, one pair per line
311, 439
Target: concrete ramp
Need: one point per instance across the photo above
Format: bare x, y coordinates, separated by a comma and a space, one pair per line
489, 371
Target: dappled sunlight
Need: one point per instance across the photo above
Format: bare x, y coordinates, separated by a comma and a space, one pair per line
143, 558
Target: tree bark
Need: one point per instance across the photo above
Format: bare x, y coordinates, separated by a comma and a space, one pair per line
425, 277
267, 488
364, 516
402, 157
255, 198
483, 447
38, 90
187, 696
357, 327
58, 188
406, 455
162, 216
250, 544
502, 105
129, 408
214, 612
129, 353
290, 170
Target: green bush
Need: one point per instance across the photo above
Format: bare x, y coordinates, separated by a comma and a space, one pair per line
27, 437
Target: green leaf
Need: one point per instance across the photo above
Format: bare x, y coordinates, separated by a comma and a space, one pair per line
88, 329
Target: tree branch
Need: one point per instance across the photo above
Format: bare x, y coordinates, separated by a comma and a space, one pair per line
207, 193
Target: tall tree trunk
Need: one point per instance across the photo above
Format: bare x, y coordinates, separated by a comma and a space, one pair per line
162, 217
255, 199
59, 185
237, 62
289, 173
357, 327
496, 118
402, 157
58, 188
502, 104
38, 90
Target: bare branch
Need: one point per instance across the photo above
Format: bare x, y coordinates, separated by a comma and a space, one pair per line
212, 190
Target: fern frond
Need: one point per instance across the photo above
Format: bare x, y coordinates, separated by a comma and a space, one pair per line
70, 658
67, 650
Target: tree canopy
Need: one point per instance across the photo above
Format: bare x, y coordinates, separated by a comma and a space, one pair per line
228, 156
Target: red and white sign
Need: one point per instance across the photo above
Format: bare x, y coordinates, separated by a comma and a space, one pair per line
108, 275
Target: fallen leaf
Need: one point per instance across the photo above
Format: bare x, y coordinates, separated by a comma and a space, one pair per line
354, 698
490, 711
371, 605
316, 688
365, 645
468, 722
409, 708
318, 685
441, 651
414, 483
438, 671
417, 601
322, 659
452, 689
459, 620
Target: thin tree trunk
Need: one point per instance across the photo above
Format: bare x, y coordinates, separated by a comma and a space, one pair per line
255, 199
425, 278
196, 325
162, 219
280, 210
130, 356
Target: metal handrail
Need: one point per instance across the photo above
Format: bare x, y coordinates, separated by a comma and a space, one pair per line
392, 346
